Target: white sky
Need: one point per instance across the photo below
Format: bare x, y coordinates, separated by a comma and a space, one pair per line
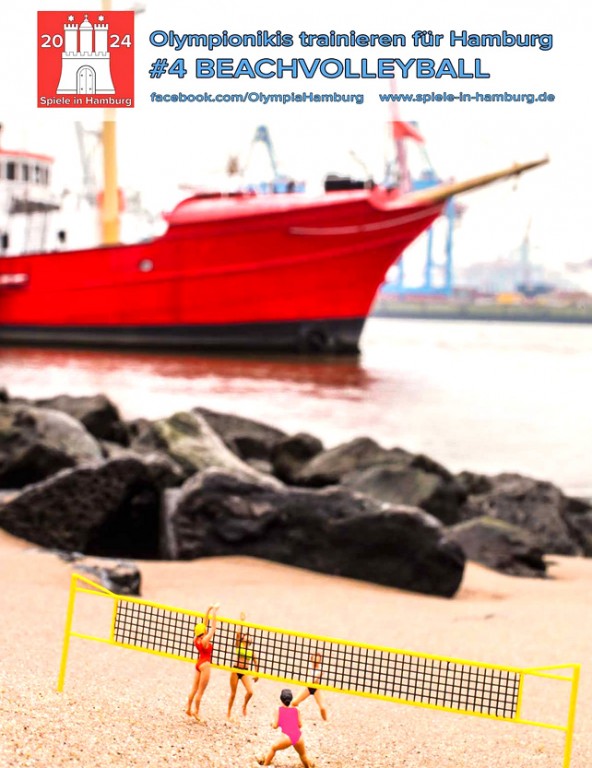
162, 145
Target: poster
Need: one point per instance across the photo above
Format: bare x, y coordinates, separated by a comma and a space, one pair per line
219, 97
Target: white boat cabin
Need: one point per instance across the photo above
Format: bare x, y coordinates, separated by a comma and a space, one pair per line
27, 203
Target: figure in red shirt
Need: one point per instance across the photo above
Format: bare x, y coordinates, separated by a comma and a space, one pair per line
203, 644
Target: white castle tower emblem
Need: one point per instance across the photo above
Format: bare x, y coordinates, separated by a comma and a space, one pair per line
86, 67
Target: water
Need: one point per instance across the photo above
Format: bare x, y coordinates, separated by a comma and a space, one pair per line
487, 397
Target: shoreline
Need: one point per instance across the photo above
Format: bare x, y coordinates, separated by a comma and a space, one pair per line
419, 385
472, 312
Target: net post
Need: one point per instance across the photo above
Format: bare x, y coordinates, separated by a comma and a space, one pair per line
67, 631
571, 717
518, 712
114, 620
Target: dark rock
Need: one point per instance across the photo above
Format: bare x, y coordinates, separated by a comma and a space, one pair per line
3, 395
32, 464
472, 483
120, 577
67, 557
97, 413
426, 464
397, 546
330, 466
499, 545
169, 542
36, 443
333, 531
246, 438
195, 446
115, 451
438, 495
8, 494
577, 514
110, 510
162, 469
395, 476
291, 453
533, 505
260, 465
144, 437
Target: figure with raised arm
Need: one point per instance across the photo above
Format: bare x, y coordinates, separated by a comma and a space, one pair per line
245, 659
203, 644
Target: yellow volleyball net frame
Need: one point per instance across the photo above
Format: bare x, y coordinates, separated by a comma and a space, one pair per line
418, 679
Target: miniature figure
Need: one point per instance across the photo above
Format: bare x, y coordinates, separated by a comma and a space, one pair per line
245, 659
316, 661
203, 644
288, 719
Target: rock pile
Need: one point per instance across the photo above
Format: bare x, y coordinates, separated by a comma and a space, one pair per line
75, 476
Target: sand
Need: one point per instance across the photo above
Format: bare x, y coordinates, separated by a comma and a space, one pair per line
126, 709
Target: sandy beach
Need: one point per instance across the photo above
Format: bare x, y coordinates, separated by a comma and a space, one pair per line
123, 708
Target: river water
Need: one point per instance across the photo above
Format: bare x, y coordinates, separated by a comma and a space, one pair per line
483, 396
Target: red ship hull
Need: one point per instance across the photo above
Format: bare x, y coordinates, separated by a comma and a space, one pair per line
281, 272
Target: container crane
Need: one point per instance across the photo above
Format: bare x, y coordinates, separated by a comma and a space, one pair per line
398, 174
280, 182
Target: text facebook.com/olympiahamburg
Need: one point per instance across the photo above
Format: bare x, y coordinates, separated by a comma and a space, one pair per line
84, 101
348, 98
258, 97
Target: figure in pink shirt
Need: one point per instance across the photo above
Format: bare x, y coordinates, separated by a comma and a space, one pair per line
288, 720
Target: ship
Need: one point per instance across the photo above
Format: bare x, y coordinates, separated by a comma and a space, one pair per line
241, 272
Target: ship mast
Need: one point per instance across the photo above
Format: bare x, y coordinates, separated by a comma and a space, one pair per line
110, 224
402, 168
110, 208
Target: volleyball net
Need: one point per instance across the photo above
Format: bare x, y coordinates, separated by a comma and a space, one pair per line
424, 680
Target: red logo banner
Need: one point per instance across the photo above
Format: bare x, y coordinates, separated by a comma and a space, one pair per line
85, 59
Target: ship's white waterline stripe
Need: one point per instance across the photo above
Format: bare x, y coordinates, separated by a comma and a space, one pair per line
375, 226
